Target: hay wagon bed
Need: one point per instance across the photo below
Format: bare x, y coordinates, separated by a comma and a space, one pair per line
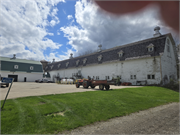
93, 83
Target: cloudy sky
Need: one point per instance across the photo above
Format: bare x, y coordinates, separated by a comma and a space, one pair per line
47, 29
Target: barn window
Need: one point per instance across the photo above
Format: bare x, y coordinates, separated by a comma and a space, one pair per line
16, 66
120, 53
52, 66
77, 62
97, 77
100, 57
107, 77
31, 67
150, 76
59, 65
67, 64
84, 61
133, 76
150, 47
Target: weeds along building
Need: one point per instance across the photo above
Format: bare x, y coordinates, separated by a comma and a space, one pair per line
150, 61
21, 70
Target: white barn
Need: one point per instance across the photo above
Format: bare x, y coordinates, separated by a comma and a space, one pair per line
150, 61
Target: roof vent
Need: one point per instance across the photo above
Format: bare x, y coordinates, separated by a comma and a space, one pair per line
71, 56
14, 56
44, 64
157, 33
99, 50
53, 61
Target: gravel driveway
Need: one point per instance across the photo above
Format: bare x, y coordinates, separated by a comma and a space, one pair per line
25, 89
159, 120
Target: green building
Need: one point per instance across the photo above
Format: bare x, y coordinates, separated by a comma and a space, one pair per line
21, 70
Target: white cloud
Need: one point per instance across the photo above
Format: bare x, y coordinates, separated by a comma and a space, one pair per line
52, 56
57, 57
51, 34
54, 12
55, 18
67, 54
96, 27
64, 11
53, 23
70, 17
23, 24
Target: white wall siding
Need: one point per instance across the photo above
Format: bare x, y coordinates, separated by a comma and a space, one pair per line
30, 77
168, 62
139, 67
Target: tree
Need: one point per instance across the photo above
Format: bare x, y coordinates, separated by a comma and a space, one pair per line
86, 52
89, 52
177, 44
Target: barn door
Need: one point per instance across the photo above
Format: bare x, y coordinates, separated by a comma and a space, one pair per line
24, 79
13, 76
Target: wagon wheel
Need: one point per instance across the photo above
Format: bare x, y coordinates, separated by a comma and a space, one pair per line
77, 85
85, 84
101, 86
107, 87
92, 86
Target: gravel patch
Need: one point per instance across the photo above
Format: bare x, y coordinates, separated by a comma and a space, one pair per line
159, 120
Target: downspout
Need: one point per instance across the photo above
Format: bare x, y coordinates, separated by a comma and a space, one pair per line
161, 69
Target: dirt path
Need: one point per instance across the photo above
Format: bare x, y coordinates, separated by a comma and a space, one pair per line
159, 120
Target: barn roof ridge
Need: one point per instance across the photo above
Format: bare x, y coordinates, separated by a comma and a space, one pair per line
19, 60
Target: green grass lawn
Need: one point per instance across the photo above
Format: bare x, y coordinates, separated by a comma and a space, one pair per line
39, 115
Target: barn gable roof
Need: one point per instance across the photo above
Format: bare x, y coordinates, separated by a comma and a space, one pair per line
20, 65
130, 51
19, 60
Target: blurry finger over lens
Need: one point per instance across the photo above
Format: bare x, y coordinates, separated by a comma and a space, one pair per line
121, 7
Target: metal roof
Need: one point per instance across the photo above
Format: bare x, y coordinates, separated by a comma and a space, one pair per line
19, 60
20, 67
